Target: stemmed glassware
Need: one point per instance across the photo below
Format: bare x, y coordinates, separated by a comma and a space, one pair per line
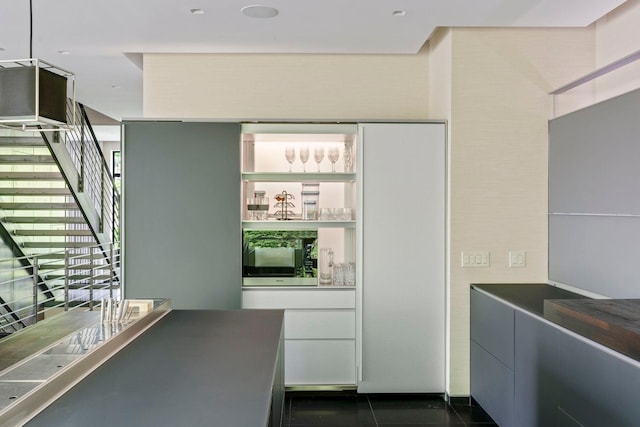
290, 155
334, 155
318, 155
304, 156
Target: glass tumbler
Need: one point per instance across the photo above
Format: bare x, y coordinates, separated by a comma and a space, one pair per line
350, 274
338, 274
325, 265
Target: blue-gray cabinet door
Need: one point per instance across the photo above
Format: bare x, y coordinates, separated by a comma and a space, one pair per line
181, 210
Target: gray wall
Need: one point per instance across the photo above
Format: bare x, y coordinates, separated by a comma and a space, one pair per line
594, 197
182, 236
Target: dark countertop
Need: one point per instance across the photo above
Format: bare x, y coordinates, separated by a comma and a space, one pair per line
614, 323
192, 368
528, 296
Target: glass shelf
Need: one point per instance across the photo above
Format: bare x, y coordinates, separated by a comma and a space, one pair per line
296, 225
299, 176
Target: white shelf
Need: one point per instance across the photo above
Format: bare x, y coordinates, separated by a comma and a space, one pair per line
296, 225
299, 176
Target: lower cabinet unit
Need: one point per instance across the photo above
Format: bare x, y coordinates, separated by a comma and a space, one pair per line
527, 371
319, 362
564, 379
492, 357
319, 333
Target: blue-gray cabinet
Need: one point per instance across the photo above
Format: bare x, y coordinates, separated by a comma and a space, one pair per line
492, 356
528, 371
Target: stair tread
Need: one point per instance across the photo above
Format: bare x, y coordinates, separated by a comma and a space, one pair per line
56, 244
60, 255
21, 141
34, 191
52, 232
61, 267
30, 176
26, 206
26, 158
44, 219
77, 276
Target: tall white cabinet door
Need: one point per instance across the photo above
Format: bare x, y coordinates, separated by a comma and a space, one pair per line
402, 297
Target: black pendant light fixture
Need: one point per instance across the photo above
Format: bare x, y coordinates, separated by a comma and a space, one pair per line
33, 93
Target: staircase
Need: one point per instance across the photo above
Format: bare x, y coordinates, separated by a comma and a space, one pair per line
58, 218
36, 206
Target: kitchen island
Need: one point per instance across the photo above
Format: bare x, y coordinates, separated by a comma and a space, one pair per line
192, 368
531, 366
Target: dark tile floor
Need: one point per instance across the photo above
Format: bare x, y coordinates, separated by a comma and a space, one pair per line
349, 409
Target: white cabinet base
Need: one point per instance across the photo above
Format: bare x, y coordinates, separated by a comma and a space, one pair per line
319, 362
320, 332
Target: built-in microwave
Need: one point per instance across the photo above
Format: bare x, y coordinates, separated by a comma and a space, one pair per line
280, 257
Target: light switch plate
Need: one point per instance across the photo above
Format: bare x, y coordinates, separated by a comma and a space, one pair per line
517, 259
475, 259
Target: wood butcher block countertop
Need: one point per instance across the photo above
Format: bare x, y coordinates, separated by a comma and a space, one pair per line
614, 323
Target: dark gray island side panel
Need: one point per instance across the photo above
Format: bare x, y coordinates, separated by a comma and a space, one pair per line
193, 368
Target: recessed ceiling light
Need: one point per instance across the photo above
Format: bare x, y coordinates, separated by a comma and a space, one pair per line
1, 49
64, 52
257, 11
399, 13
115, 87
197, 11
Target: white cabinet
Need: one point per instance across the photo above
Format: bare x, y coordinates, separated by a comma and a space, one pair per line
320, 320
319, 362
320, 337
386, 333
320, 324
402, 262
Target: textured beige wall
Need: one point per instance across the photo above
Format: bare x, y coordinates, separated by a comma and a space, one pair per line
498, 163
286, 87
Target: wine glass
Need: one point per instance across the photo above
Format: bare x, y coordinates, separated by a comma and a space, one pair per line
290, 155
318, 155
334, 155
304, 156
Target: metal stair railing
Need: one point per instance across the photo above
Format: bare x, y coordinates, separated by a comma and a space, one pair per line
93, 175
77, 278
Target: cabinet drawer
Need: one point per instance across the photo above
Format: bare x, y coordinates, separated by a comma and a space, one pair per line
315, 362
492, 326
313, 324
305, 298
492, 385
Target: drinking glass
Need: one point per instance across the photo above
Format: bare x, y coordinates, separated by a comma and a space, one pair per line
334, 155
318, 155
350, 274
290, 155
325, 265
338, 274
304, 156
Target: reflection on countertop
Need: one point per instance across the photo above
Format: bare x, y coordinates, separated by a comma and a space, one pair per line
37, 362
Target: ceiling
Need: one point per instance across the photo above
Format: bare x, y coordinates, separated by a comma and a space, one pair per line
102, 42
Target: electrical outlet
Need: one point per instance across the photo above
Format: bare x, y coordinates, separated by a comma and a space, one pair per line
517, 259
475, 259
